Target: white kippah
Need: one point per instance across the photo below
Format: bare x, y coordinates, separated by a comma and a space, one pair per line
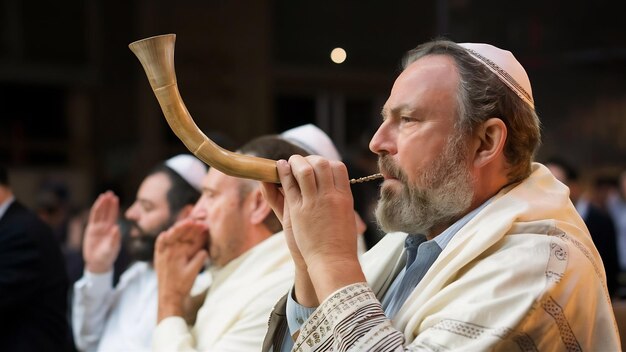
312, 139
505, 66
189, 168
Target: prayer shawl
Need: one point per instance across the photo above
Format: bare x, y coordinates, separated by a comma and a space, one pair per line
523, 275
237, 306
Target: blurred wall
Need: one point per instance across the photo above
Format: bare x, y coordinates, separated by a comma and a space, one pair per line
74, 99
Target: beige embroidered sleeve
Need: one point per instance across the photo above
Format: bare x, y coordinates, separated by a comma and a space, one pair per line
350, 319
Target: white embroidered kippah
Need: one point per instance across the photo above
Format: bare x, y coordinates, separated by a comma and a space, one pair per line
312, 139
189, 168
505, 66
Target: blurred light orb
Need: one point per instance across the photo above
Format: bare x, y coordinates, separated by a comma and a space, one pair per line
338, 55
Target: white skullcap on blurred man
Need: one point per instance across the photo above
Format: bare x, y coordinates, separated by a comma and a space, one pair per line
312, 139
189, 168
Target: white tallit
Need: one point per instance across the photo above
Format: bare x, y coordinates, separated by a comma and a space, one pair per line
235, 312
523, 274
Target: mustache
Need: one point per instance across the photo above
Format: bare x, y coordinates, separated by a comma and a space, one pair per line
131, 224
387, 166
141, 246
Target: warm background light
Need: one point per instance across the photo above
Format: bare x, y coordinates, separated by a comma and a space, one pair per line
338, 55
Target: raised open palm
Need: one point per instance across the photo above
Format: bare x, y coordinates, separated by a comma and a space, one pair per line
102, 242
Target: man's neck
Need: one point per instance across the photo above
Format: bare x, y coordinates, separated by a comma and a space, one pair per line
437, 230
5, 194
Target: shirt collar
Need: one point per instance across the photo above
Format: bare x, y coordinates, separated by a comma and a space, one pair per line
4, 206
444, 238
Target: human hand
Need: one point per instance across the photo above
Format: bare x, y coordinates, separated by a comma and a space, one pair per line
178, 257
319, 202
303, 287
274, 196
102, 241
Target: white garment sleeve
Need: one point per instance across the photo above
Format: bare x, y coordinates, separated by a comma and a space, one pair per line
173, 334
245, 334
93, 295
223, 325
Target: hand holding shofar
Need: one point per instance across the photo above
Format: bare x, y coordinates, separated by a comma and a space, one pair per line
156, 55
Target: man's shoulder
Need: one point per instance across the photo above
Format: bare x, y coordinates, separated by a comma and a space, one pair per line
19, 217
23, 227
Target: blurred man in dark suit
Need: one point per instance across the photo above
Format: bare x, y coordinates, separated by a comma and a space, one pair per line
33, 281
598, 222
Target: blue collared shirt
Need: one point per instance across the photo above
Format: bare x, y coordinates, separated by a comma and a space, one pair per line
417, 273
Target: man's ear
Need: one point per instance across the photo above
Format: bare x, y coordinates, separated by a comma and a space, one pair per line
258, 206
491, 136
184, 212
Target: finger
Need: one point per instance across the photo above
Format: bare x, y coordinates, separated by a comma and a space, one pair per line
304, 175
291, 188
322, 172
116, 236
160, 253
106, 206
196, 263
113, 208
196, 237
340, 176
161, 243
188, 232
94, 212
194, 233
166, 237
286, 219
178, 231
274, 198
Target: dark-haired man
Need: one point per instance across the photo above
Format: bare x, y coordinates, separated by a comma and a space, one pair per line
122, 318
599, 223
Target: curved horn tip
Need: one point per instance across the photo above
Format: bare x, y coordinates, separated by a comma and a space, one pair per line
173, 35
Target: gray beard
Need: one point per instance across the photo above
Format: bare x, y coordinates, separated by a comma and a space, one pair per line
444, 193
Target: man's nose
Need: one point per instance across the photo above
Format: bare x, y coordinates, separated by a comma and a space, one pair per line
382, 142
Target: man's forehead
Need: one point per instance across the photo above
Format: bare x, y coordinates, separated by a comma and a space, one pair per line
216, 179
154, 188
157, 180
431, 70
430, 75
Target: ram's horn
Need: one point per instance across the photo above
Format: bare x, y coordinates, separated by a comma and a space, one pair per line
156, 55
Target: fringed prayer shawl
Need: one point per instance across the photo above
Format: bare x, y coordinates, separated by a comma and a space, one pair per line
523, 275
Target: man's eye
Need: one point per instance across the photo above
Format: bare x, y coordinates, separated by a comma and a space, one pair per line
406, 119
